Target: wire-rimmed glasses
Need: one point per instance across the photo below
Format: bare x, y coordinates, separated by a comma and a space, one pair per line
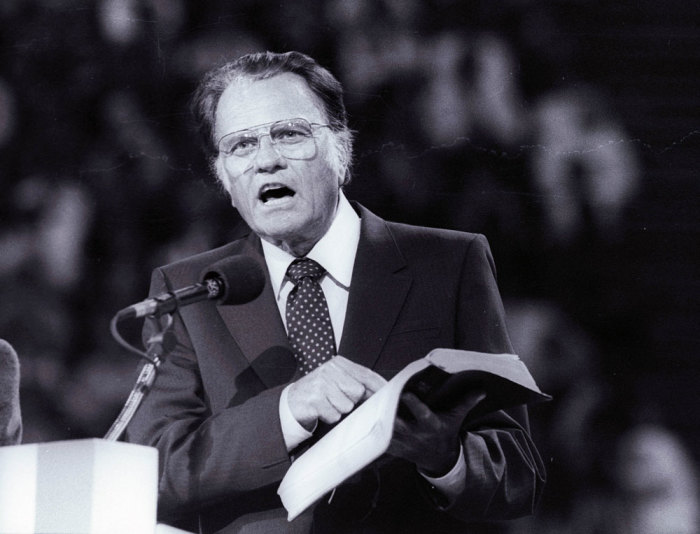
291, 138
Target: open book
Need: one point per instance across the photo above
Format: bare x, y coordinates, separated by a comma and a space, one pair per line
439, 379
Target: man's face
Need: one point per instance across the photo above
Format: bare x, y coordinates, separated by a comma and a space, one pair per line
288, 202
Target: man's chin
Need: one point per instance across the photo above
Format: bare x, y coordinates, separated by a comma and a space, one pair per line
292, 235
278, 231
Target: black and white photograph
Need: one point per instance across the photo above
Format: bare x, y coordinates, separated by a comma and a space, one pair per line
349, 266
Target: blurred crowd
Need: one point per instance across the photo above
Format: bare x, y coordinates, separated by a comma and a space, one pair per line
474, 118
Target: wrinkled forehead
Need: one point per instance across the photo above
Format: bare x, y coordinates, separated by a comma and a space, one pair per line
249, 102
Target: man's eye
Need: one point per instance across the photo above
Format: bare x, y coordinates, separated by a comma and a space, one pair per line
243, 145
290, 135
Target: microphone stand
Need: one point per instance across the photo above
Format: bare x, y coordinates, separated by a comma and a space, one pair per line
216, 285
158, 347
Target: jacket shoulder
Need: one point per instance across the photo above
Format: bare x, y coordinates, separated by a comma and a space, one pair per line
423, 239
412, 233
188, 270
426, 232
422, 243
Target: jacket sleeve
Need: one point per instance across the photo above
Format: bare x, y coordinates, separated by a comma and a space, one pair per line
235, 454
505, 475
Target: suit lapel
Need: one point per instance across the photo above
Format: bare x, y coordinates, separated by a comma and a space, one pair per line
377, 292
258, 329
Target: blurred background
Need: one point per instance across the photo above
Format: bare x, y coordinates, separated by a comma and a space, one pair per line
567, 131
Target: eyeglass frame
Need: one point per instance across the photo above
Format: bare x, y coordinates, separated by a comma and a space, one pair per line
313, 126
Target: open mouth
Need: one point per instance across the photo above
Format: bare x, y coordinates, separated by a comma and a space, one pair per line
274, 192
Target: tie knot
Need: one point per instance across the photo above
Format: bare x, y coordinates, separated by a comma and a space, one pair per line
303, 268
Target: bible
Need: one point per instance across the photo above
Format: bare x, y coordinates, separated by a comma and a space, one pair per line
438, 379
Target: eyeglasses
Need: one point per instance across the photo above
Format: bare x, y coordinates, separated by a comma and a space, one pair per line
292, 138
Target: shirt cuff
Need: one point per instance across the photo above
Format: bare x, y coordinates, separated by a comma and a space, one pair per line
452, 484
294, 434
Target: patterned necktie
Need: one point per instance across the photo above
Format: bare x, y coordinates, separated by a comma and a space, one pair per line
309, 325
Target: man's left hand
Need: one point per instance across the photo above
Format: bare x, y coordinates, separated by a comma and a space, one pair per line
430, 439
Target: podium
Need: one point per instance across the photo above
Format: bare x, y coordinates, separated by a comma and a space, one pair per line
89, 486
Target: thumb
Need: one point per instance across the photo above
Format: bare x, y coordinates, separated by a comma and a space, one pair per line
465, 405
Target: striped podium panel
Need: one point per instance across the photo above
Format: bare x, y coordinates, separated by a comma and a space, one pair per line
89, 486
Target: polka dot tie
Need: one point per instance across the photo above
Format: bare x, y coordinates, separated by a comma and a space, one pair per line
309, 325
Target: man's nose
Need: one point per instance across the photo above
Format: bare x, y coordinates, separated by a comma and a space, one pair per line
268, 157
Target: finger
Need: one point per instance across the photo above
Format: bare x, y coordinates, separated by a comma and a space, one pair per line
368, 378
466, 404
417, 408
307, 398
403, 430
410, 441
350, 387
328, 413
339, 400
402, 433
328, 392
332, 376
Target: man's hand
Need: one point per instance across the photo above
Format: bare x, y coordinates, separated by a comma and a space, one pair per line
331, 390
429, 439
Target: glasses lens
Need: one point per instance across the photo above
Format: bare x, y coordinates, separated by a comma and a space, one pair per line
239, 144
293, 138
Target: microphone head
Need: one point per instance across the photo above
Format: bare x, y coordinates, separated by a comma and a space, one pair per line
241, 278
10, 415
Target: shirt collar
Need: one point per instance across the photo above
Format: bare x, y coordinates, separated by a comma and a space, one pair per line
337, 260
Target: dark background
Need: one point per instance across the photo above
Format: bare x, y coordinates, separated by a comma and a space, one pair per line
566, 131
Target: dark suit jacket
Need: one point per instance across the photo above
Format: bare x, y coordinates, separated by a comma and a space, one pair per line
213, 411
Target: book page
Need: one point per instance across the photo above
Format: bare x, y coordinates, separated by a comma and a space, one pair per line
440, 379
358, 440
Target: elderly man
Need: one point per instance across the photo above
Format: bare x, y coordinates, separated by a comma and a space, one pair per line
349, 300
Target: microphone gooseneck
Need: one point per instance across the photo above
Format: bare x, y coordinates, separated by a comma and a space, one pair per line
233, 280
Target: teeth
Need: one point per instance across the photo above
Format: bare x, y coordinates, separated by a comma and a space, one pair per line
267, 187
274, 191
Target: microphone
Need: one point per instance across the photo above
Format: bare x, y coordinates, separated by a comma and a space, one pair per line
10, 414
234, 280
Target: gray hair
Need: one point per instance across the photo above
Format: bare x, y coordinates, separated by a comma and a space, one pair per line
263, 65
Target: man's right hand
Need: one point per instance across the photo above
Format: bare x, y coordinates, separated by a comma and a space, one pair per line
331, 390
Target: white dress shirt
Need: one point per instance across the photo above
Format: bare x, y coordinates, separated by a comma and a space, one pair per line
338, 261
